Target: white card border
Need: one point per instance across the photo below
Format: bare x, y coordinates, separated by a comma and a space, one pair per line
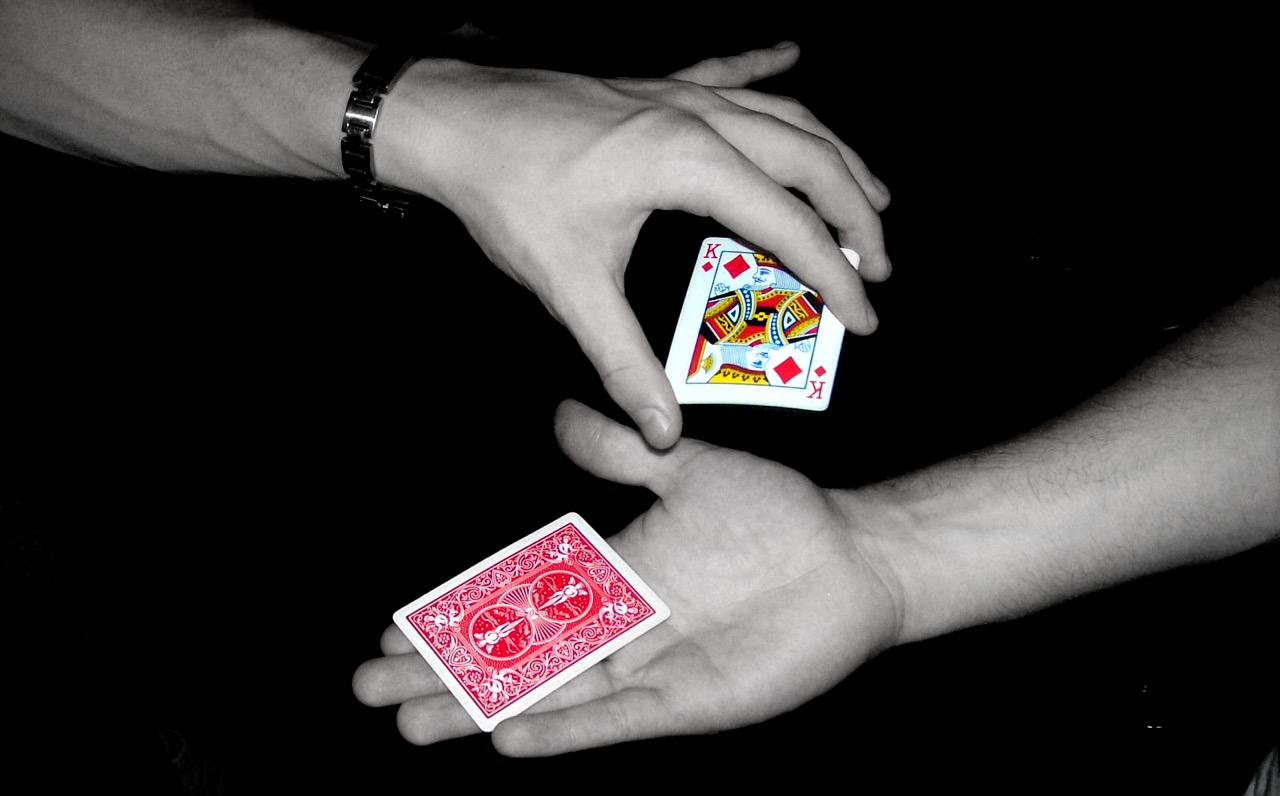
487, 723
830, 341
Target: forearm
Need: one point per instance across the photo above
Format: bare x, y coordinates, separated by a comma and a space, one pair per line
1177, 463
200, 87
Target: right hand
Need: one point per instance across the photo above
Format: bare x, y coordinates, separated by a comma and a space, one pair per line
554, 174
777, 592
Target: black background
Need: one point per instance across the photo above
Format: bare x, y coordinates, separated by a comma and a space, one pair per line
231, 452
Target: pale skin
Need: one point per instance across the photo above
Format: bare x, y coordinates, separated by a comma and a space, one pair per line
553, 174
1176, 464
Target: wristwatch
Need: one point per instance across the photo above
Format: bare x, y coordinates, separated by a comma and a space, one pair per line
372, 81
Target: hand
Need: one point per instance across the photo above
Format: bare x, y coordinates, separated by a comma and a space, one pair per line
554, 175
773, 601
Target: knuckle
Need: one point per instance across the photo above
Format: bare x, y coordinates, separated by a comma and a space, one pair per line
679, 139
619, 373
666, 122
880, 198
807, 224
822, 169
573, 736
787, 109
713, 69
695, 101
830, 154
700, 140
620, 719
792, 109
873, 230
688, 95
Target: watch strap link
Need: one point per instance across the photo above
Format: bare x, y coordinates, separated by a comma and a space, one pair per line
372, 81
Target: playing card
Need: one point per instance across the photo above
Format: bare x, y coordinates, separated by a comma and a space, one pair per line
750, 333
529, 618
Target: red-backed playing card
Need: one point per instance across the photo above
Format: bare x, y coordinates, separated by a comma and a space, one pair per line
529, 618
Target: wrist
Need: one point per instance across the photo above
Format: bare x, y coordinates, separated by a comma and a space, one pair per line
411, 140
964, 547
430, 131
939, 547
884, 533
1011, 530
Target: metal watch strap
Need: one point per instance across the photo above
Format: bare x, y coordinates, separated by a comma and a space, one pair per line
371, 83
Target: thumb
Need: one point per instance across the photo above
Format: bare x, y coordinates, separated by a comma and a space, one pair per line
612, 451
632, 375
736, 71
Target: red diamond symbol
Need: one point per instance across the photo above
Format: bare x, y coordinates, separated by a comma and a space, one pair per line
736, 266
706, 266
787, 369
820, 371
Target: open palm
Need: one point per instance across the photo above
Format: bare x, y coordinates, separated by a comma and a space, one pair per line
772, 602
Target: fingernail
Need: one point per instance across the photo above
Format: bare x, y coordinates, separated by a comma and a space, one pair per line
873, 320
654, 424
782, 45
852, 257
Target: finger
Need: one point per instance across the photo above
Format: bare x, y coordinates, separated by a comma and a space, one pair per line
632, 375
432, 719
628, 715
796, 114
810, 162
394, 641
612, 451
730, 187
394, 679
742, 69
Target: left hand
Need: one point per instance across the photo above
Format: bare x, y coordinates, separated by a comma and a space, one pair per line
775, 596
